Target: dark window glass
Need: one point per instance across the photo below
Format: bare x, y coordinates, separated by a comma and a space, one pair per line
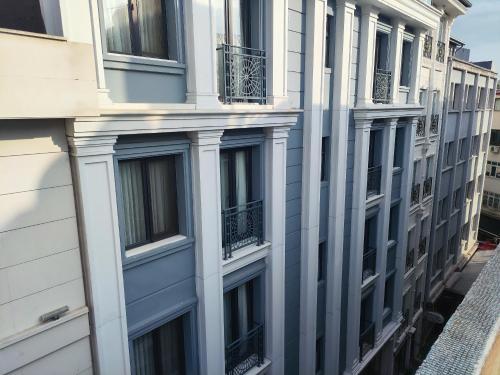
329, 24
321, 261
406, 64
399, 148
149, 194
236, 177
324, 158
319, 354
35, 16
160, 351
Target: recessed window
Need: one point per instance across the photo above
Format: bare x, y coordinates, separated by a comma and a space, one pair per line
325, 141
160, 351
142, 27
399, 145
469, 92
406, 64
329, 25
149, 196
36, 16
322, 262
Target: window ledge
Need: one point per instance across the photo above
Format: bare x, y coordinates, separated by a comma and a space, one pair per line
368, 282
245, 256
33, 35
373, 200
144, 64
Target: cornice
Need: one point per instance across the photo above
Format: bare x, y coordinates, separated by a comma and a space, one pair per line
381, 111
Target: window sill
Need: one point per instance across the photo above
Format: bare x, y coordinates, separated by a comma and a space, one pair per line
142, 64
397, 170
373, 200
245, 256
368, 282
33, 35
421, 259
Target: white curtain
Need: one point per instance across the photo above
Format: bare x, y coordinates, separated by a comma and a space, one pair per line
51, 14
116, 17
224, 180
163, 193
241, 177
152, 27
236, 316
133, 202
144, 362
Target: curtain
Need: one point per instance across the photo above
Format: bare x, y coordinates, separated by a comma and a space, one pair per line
163, 194
133, 201
144, 361
51, 14
152, 28
116, 14
241, 189
224, 180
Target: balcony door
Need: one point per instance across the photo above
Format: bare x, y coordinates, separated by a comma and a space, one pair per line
235, 167
239, 23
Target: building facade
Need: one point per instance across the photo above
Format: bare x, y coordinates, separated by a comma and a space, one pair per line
228, 186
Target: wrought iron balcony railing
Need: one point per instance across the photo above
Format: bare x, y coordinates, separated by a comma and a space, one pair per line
382, 86
373, 180
428, 47
415, 194
369, 263
434, 124
441, 48
241, 226
427, 187
366, 338
245, 353
421, 126
243, 74
422, 247
410, 259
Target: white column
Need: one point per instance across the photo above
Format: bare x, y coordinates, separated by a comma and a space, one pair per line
92, 161
362, 144
276, 51
201, 54
313, 116
275, 191
344, 24
396, 52
205, 154
369, 18
383, 222
417, 53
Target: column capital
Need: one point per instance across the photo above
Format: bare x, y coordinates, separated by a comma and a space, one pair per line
277, 132
363, 123
92, 146
399, 24
348, 4
206, 137
392, 122
370, 11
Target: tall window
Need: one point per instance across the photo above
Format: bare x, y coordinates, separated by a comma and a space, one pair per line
325, 143
36, 16
406, 64
142, 27
236, 173
469, 92
149, 195
160, 351
399, 145
328, 41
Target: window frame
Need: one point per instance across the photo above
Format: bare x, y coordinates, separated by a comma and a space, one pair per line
139, 148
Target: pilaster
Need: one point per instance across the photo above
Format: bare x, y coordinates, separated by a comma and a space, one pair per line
396, 58
369, 18
205, 154
275, 188
92, 160
416, 66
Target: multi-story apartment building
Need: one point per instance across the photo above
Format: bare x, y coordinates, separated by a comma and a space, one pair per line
244, 178
489, 223
462, 164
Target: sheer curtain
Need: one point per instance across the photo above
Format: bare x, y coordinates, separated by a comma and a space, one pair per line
163, 194
116, 14
224, 180
133, 202
152, 28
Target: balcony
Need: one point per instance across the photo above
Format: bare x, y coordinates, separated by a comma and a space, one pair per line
410, 259
421, 127
415, 194
441, 48
434, 124
428, 47
243, 74
245, 353
366, 338
373, 181
422, 247
369, 263
382, 86
241, 226
427, 187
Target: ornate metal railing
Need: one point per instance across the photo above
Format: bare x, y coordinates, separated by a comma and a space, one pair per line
434, 124
382, 86
422, 247
366, 338
243, 74
241, 226
245, 353
441, 48
369, 263
427, 187
410, 259
428, 47
373, 180
415, 194
421, 126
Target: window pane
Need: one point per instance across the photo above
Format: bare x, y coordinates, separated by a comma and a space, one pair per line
238, 312
152, 28
160, 351
163, 193
116, 13
36, 16
133, 202
241, 158
224, 180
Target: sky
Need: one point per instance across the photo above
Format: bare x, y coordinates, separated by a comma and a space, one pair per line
479, 29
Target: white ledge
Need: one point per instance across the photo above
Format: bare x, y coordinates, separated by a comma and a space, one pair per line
245, 256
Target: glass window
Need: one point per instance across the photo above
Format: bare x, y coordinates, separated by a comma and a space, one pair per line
406, 64
469, 92
497, 104
149, 195
36, 16
325, 142
160, 351
236, 177
319, 354
322, 261
455, 97
393, 223
328, 41
399, 147
495, 137
142, 28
